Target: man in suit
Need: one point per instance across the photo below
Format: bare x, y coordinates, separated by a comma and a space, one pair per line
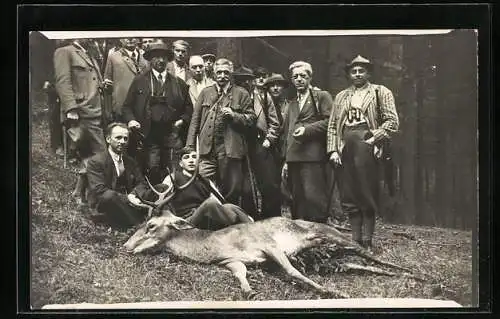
179, 66
363, 117
305, 146
121, 68
199, 81
158, 104
115, 181
78, 82
221, 116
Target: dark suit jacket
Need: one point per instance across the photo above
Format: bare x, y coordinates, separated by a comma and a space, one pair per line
77, 81
136, 106
101, 173
234, 137
311, 147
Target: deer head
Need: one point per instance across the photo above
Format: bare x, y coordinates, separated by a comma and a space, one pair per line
155, 231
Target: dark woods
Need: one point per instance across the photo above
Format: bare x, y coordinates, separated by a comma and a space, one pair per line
434, 80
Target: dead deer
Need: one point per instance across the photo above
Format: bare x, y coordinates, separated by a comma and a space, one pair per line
239, 245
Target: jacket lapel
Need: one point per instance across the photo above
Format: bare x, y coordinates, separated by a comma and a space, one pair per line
368, 99
129, 62
110, 167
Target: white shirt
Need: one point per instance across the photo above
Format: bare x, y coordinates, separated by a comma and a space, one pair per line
358, 96
301, 99
117, 159
180, 71
132, 52
163, 74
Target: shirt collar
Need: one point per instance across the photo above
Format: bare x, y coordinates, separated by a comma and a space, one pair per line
364, 87
130, 52
114, 156
225, 89
163, 74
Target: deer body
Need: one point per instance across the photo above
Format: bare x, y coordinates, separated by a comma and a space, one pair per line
243, 244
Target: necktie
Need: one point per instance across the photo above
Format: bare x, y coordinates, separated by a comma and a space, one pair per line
160, 79
121, 167
133, 56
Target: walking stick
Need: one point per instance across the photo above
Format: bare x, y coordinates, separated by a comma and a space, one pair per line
65, 145
252, 185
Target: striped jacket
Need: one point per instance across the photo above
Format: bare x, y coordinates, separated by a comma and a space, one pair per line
382, 121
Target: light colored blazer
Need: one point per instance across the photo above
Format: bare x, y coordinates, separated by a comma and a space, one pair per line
382, 120
194, 90
121, 69
77, 81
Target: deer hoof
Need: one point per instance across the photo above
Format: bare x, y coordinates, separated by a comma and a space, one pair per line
250, 295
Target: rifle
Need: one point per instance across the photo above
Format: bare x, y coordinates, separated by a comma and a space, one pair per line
387, 162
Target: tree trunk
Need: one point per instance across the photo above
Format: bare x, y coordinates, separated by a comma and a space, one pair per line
230, 48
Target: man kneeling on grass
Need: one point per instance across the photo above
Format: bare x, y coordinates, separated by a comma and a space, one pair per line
115, 181
200, 203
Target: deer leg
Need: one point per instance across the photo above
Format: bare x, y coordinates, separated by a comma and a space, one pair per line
281, 259
239, 270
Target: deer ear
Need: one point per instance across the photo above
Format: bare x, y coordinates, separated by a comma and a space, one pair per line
182, 224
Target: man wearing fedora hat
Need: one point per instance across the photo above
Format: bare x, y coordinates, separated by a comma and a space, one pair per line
363, 117
179, 65
221, 116
209, 60
304, 148
158, 104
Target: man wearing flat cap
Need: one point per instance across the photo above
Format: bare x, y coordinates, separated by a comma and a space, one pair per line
304, 147
363, 117
179, 65
159, 106
209, 60
221, 116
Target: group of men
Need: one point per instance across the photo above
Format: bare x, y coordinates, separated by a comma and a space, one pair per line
253, 140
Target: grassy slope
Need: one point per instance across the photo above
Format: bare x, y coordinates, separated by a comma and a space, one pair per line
74, 260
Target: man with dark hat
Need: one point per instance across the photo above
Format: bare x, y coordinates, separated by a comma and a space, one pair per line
221, 116
363, 117
158, 104
209, 60
179, 65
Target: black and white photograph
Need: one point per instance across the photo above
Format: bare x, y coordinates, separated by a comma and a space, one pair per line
239, 169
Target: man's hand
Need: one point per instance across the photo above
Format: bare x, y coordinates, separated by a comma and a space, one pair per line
299, 131
132, 198
72, 115
227, 112
179, 123
266, 143
370, 141
134, 124
335, 158
107, 83
284, 171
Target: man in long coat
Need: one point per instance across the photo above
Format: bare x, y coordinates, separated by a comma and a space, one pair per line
221, 116
304, 146
121, 68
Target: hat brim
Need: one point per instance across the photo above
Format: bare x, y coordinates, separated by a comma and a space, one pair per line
149, 54
283, 82
244, 75
368, 66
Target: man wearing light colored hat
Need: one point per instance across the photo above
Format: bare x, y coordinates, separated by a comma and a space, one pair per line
304, 146
199, 80
158, 105
179, 65
363, 117
223, 112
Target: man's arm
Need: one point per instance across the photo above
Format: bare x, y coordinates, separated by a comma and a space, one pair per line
130, 100
187, 104
194, 125
63, 83
331, 134
388, 115
95, 175
245, 116
273, 124
318, 128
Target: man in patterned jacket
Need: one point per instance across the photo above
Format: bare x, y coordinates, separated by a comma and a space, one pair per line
363, 117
